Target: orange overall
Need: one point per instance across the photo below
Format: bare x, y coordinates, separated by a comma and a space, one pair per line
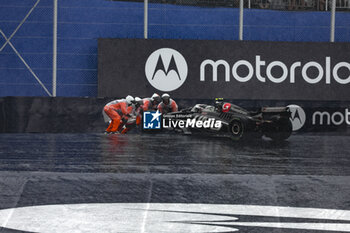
148, 105
117, 110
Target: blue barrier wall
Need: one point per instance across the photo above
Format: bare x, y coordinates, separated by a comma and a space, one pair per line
82, 22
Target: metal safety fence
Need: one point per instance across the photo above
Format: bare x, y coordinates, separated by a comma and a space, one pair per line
285, 16
314, 5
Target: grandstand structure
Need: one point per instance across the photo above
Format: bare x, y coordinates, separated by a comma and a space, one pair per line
49, 47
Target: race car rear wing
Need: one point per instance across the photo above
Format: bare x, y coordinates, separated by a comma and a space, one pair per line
274, 109
268, 112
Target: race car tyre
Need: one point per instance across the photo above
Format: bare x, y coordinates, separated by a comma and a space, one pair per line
281, 129
236, 129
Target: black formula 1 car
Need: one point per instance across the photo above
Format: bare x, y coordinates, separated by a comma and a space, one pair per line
227, 119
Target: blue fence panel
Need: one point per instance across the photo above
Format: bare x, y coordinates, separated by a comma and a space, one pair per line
23, 76
188, 22
342, 29
11, 60
272, 25
81, 23
23, 89
26, 3
31, 45
33, 42
78, 76
77, 90
77, 46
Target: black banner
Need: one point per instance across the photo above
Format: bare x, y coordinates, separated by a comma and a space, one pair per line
201, 69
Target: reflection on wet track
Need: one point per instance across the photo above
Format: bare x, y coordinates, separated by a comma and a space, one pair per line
167, 153
131, 177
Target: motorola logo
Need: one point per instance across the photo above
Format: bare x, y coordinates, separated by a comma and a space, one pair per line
289, 73
327, 118
166, 69
298, 116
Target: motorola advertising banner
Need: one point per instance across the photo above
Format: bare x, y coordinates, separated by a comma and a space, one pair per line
199, 69
319, 119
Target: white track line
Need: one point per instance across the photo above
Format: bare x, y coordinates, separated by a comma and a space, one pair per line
147, 207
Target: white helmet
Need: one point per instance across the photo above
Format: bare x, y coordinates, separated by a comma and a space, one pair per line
155, 97
166, 98
129, 99
138, 100
165, 95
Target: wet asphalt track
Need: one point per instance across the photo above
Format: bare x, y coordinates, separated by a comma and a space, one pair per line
309, 171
